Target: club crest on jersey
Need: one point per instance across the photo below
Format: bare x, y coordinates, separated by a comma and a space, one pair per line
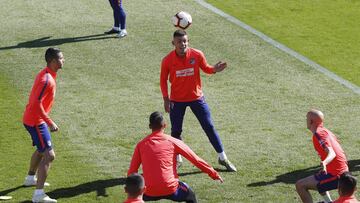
192, 61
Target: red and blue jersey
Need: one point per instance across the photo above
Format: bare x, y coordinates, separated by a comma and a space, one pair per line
324, 138
184, 75
157, 155
41, 98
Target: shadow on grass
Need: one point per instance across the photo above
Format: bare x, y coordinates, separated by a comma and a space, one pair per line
47, 42
98, 186
5, 192
293, 176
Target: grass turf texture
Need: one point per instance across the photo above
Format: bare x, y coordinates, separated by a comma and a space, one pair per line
324, 31
108, 88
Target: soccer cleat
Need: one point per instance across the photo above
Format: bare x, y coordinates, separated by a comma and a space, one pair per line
32, 182
43, 198
112, 31
229, 166
122, 33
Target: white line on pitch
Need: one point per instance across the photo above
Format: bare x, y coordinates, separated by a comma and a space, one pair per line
282, 47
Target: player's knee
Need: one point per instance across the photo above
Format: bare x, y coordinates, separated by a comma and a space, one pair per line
50, 156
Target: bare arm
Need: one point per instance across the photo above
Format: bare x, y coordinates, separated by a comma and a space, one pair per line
330, 156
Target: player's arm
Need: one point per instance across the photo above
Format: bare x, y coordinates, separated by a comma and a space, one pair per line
135, 162
164, 75
40, 90
218, 67
330, 156
185, 151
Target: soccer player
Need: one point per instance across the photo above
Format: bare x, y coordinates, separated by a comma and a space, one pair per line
119, 19
182, 68
347, 188
333, 160
135, 188
37, 121
157, 155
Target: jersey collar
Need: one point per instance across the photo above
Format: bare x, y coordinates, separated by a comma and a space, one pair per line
52, 73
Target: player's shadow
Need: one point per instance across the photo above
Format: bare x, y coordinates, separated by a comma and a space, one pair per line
293, 176
98, 186
48, 42
5, 192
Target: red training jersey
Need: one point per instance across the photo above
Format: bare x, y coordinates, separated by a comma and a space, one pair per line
134, 200
184, 75
324, 138
349, 199
157, 155
41, 98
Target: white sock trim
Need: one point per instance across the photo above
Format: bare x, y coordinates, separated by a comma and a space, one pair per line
327, 197
222, 156
39, 192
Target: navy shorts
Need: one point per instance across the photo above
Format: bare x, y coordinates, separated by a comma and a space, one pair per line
183, 194
40, 136
326, 182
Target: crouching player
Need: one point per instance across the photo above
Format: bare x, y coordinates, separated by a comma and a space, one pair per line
333, 160
157, 154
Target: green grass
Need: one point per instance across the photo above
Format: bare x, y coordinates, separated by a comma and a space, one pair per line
326, 32
108, 87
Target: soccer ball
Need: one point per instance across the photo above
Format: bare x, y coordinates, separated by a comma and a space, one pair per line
182, 20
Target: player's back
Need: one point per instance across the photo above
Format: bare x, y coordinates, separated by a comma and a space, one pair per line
158, 161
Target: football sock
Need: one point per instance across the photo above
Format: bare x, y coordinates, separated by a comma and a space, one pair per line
222, 156
30, 177
39, 191
116, 28
178, 158
327, 197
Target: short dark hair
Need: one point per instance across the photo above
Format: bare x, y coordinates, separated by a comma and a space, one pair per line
156, 120
347, 184
134, 183
179, 33
52, 53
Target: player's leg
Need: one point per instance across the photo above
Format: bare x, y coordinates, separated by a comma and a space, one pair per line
44, 167
116, 27
36, 157
202, 113
183, 194
122, 15
122, 19
177, 112
304, 185
34, 162
44, 146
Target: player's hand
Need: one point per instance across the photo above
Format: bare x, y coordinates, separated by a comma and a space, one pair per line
220, 66
220, 179
167, 104
53, 127
323, 166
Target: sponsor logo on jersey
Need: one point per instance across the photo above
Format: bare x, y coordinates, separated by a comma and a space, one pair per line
185, 72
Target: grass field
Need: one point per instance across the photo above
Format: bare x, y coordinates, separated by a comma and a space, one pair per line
324, 31
108, 87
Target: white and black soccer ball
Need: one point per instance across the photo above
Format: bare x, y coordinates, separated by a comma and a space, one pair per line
182, 20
